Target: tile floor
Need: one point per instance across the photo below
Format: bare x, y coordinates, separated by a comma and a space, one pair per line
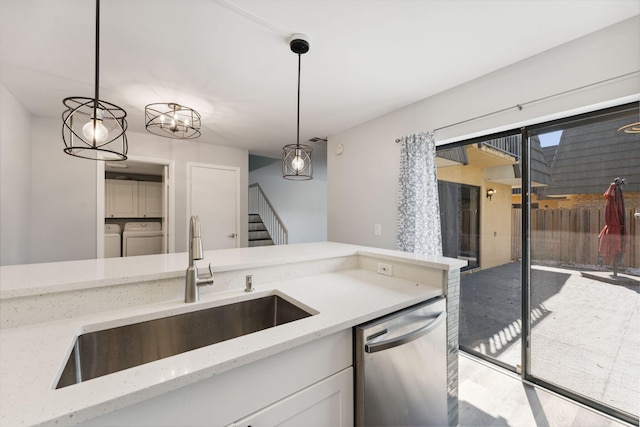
490, 396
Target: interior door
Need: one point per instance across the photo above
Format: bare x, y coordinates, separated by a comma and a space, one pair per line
215, 196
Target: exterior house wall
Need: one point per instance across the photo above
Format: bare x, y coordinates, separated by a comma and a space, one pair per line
587, 201
495, 227
495, 214
631, 200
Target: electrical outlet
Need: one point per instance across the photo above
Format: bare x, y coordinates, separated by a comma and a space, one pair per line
385, 269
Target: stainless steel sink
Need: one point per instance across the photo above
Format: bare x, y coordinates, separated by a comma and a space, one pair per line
111, 350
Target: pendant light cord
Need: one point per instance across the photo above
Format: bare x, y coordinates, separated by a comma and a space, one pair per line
298, 122
97, 97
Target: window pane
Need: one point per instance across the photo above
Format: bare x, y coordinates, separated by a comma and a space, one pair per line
475, 189
585, 304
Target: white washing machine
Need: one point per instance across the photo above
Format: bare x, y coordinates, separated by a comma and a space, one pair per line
142, 238
112, 241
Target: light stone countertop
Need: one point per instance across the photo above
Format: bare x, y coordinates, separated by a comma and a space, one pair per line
32, 357
36, 279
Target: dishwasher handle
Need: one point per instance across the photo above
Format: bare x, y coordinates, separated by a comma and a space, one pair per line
406, 338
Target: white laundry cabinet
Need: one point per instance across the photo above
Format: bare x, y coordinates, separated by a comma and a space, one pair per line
132, 199
149, 199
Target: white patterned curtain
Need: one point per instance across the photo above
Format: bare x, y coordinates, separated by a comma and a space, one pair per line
418, 205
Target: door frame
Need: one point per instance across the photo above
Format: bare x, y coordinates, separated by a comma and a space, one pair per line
235, 169
169, 203
525, 370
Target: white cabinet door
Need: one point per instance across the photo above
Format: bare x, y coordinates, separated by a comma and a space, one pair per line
149, 199
326, 403
123, 198
214, 196
300, 381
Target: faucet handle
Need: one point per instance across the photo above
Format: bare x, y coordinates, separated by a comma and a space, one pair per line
205, 280
203, 274
210, 270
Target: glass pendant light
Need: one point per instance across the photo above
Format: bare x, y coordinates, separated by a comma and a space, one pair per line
296, 158
92, 128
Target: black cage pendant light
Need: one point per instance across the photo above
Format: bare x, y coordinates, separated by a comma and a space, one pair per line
94, 129
296, 158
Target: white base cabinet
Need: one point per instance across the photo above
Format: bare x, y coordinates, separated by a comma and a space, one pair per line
327, 403
308, 385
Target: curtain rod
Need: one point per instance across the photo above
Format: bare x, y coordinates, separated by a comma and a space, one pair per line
520, 106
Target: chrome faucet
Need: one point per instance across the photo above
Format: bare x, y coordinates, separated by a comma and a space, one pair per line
191, 291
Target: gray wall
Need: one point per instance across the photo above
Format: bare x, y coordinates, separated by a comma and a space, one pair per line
363, 179
15, 180
302, 205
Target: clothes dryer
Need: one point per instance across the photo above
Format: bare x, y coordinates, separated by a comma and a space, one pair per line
142, 238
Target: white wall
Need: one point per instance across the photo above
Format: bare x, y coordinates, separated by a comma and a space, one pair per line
63, 198
302, 205
62, 191
362, 182
15, 179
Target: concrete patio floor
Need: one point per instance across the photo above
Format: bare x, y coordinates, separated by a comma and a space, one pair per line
585, 334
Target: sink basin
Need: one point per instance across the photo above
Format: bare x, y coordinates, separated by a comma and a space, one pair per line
111, 350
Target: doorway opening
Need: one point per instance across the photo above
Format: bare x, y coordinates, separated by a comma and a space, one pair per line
136, 214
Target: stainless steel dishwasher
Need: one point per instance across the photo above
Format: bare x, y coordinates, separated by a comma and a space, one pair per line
401, 368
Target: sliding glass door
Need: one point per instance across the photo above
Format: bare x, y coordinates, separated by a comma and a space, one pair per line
475, 181
585, 261
548, 217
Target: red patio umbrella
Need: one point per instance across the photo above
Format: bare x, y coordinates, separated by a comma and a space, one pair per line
613, 235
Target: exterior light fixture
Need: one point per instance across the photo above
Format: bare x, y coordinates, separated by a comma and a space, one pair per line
172, 120
490, 193
296, 158
91, 128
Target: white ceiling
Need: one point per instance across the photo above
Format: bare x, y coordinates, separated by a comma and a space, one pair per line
230, 59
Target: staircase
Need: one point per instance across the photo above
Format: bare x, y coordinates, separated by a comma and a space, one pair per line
258, 234
265, 226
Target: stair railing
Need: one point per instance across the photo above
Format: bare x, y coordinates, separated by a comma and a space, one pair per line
259, 204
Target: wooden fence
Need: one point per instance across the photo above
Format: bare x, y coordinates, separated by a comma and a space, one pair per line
570, 236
